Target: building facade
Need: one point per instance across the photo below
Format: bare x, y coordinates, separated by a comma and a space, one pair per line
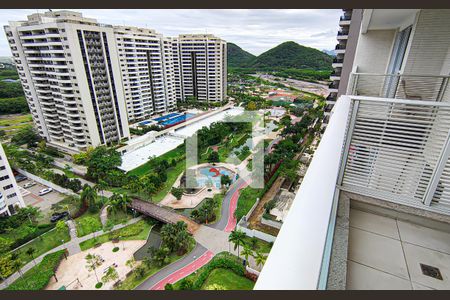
373, 211
85, 81
200, 67
10, 196
146, 64
347, 37
71, 77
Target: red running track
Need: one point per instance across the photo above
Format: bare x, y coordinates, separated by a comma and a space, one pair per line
185, 271
233, 204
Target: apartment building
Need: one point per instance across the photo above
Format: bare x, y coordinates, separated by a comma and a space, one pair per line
71, 78
347, 37
10, 196
200, 67
373, 211
146, 64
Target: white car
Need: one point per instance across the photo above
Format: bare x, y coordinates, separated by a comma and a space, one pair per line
45, 191
29, 184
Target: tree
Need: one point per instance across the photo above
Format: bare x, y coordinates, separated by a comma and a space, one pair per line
101, 186
89, 196
160, 256
175, 237
110, 275
237, 237
5, 245
213, 157
177, 192
6, 266
186, 284
30, 252
130, 263
246, 252
16, 263
26, 135
225, 180
260, 259
61, 226
101, 161
119, 201
93, 262
251, 105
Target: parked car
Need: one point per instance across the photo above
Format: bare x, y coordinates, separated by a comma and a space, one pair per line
58, 216
45, 191
20, 178
29, 184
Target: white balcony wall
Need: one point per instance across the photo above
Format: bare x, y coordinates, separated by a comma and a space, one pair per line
374, 50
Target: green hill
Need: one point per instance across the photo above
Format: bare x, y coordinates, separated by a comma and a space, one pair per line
237, 57
293, 55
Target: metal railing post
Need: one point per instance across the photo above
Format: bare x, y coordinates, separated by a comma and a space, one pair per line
348, 137
440, 165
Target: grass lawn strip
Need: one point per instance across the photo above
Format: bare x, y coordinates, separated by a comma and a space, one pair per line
88, 223
136, 231
227, 280
43, 244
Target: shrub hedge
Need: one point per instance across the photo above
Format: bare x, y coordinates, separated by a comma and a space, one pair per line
224, 261
38, 277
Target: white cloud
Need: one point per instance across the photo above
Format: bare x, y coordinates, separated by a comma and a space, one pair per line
255, 30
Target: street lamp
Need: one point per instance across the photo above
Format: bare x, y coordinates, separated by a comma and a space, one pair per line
123, 243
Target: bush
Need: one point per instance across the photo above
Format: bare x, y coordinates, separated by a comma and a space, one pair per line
218, 262
168, 287
115, 249
98, 285
38, 277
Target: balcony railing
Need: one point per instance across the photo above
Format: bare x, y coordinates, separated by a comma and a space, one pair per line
400, 86
396, 150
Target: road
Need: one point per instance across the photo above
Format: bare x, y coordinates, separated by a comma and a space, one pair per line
177, 270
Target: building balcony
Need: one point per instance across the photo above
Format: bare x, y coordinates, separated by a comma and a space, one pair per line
373, 210
400, 86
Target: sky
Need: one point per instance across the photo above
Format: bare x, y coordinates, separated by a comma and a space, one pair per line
254, 30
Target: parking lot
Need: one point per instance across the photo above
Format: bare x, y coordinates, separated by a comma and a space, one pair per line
31, 196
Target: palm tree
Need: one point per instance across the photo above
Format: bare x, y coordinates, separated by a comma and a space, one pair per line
30, 252
260, 259
246, 252
238, 239
119, 201
101, 186
93, 261
88, 195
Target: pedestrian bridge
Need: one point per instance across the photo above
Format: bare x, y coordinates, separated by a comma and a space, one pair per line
162, 214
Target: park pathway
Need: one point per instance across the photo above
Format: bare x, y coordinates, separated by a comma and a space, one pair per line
73, 247
104, 215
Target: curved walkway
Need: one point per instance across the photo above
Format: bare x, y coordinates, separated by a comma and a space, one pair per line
176, 270
229, 206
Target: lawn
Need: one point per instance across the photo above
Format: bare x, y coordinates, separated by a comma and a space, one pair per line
172, 174
38, 277
132, 281
43, 243
248, 195
119, 217
136, 231
225, 270
11, 123
227, 280
260, 245
88, 223
176, 153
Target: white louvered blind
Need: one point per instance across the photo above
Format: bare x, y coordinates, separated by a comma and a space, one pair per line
394, 149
